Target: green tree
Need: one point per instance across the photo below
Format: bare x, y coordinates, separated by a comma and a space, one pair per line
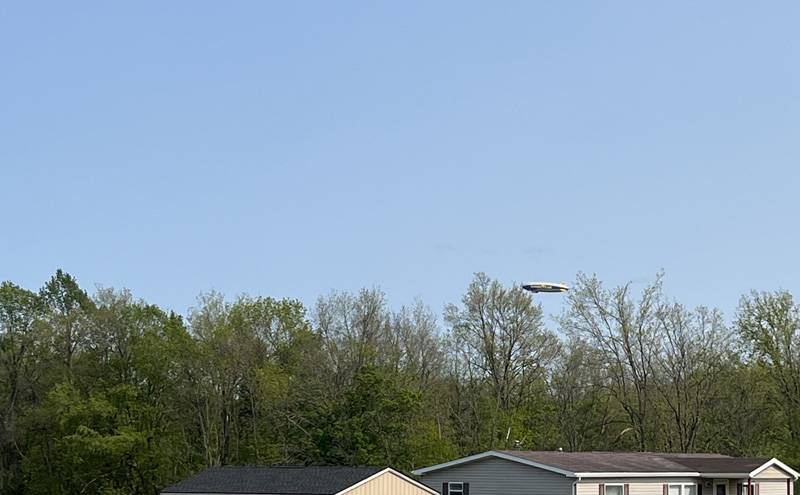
19, 314
499, 335
626, 332
67, 311
583, 415
373, 422
769, 326
108, 394
695, 346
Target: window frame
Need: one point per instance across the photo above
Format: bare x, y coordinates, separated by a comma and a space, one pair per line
459, 490
620, 485
722, 483
682, 487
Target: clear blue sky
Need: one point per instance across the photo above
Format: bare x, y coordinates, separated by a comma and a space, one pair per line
290, 148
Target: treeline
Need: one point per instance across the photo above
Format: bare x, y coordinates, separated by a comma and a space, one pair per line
107, 394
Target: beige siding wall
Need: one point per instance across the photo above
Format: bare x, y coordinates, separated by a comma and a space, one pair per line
654, 487
765, 487
586, 488
646, 489
772, 472
776, 487
388, 484
637, 486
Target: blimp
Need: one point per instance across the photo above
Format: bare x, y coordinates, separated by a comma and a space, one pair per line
537, 287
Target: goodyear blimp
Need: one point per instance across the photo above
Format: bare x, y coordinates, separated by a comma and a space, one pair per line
537, 287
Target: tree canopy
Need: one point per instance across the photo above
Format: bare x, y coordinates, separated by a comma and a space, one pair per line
104, 393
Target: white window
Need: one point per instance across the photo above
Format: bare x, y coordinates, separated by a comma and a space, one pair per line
455, 488
614, 489
683, 489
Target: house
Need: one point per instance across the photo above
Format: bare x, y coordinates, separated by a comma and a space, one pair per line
299, 480
608, 473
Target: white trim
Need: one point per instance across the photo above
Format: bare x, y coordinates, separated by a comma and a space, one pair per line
628, 474
590, 474
455, 462
450, 487
389, 471
499, 455
654, 474
745, 485
774, 462
575, 486
683, 485
606, 485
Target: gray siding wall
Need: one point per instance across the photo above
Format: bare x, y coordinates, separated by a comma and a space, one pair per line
493, 476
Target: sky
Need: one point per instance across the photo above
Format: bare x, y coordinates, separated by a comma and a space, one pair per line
288, 149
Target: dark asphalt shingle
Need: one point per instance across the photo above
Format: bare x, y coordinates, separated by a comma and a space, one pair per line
640, 462
283, 480
718, 464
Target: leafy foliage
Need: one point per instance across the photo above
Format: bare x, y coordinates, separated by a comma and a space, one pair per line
106, 394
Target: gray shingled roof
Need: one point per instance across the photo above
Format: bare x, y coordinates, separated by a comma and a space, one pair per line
288, 480
639, 462
718, 463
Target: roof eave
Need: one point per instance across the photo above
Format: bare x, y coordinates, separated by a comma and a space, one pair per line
636, 474
774, 462
496, 454
390, 471
599, 474
724, 475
